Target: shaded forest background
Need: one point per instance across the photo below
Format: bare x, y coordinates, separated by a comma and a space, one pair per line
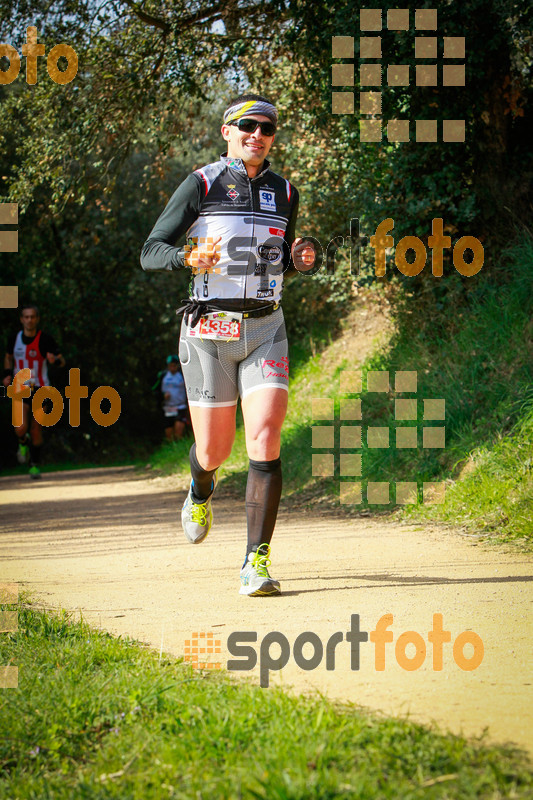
92, 163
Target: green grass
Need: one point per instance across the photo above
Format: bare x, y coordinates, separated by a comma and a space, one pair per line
69, 466
495, 496
482, 364
99, 717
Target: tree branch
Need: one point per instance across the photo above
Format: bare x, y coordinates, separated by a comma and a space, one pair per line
210, 13
156, 22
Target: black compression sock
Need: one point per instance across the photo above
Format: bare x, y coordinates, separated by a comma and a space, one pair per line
202, 479
35, 454
263, 492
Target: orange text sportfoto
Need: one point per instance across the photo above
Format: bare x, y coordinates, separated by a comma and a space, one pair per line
32, 50
379, 637
74, 391
437, 242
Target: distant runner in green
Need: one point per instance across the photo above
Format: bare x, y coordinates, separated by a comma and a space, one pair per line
33, 349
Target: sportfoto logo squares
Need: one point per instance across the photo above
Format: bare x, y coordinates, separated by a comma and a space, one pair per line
406, 435
199, 648
9, 243
374, 72
9, 239
9, 596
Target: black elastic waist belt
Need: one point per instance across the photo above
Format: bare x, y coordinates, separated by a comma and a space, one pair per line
261, 312
194, 309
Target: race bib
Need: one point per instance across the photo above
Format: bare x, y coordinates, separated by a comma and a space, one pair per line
223, 326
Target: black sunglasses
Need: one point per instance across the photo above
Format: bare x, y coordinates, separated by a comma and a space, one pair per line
249, 125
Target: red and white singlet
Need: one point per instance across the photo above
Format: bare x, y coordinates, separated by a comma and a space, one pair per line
28, 356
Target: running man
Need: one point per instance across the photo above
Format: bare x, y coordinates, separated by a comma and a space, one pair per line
175, 407
239, 220
31, 349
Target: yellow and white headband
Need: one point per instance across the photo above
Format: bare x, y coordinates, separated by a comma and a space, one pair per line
251, 107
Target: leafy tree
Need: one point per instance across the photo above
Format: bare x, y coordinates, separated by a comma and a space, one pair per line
92, 163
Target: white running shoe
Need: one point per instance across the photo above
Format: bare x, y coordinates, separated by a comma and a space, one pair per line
197, 518
255, 580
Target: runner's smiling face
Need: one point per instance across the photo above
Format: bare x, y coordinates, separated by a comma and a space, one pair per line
252, 148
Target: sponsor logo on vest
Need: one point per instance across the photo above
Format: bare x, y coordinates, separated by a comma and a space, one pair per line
267, 200
271, 253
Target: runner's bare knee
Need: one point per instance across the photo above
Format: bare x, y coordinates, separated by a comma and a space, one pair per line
263, 444
210, 456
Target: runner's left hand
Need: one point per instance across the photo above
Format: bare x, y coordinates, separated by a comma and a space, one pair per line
303, 254
51, 358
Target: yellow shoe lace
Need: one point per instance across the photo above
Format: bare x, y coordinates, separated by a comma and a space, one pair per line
199, 513
261, 561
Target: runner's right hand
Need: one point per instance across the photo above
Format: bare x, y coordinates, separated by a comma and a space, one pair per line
205, 256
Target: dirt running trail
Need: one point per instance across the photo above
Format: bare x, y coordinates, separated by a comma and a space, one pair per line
108, 543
